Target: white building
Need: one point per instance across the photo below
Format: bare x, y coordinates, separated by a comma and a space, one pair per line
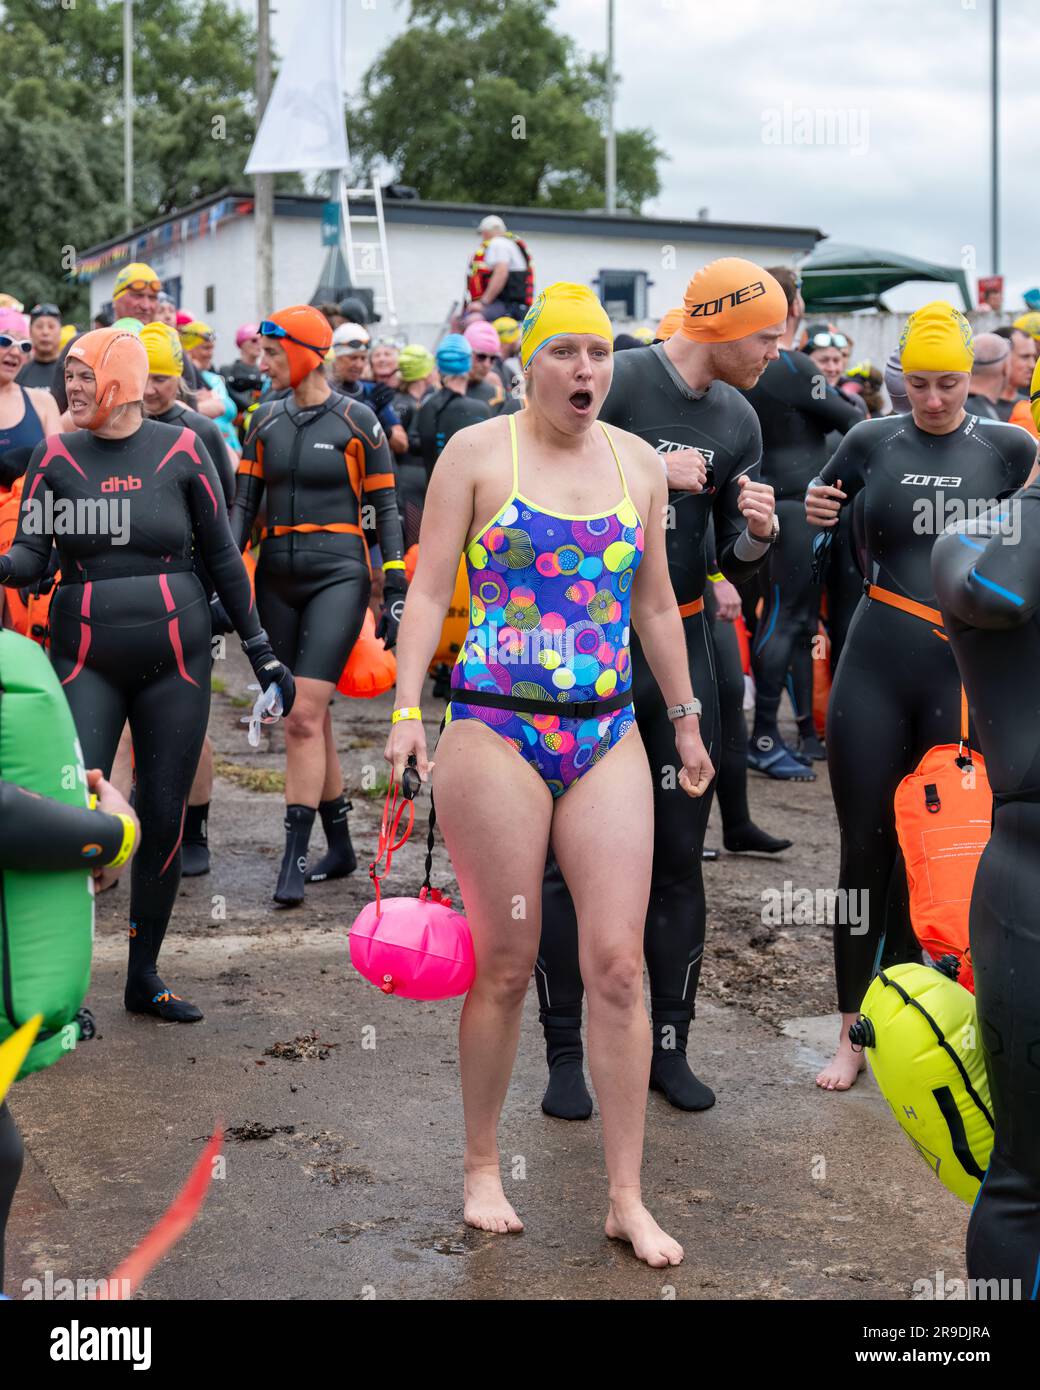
206, 258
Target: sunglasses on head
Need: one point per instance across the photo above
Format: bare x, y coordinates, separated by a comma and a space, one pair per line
483, 357
45, 311
139, 286
6, 341
355, 345
205, 337
825, 340
275, 330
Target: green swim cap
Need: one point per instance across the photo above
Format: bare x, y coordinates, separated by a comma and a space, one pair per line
414, 362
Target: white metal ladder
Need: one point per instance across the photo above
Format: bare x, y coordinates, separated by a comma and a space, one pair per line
383, 290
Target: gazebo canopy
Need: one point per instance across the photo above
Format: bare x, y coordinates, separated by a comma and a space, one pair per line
839, 279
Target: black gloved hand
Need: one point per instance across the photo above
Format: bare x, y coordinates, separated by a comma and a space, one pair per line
218, 617
269, 670
380, 397
5, 568
395, 587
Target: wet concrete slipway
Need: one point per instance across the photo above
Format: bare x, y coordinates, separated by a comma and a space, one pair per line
343, 1154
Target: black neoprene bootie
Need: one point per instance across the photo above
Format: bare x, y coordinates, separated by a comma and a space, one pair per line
339, 859
809, 745
566, 1096
669, 1070
750, 838
195, 844
145, 991
299, 821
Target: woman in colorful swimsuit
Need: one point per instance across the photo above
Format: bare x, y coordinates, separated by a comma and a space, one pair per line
540, 747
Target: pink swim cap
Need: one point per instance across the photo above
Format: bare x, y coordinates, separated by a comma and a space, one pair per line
483, 337
248, 330
11, 321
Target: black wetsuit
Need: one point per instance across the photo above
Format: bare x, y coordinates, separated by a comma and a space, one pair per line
39, 374
490, 391
375, 394
213, 440
244, 384
324, 469
897, 692
797, 410
649, 398
982, 406
42, 834
130, 630
319, 468
442, 415
987, 577
412, 477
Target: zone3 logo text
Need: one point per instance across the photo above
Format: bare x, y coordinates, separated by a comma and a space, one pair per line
927, 480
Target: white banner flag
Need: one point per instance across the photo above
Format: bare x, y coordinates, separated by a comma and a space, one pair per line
303, 126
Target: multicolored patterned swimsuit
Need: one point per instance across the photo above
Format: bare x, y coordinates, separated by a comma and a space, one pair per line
549, 621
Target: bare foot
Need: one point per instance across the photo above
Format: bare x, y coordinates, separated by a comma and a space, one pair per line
629, 1220
485, 1206
843, 1068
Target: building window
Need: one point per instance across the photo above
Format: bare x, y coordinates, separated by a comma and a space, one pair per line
172, 286
623, 293
211, 298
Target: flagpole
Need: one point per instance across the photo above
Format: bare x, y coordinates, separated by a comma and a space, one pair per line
128, 111
995, 133
611, 142
264, 183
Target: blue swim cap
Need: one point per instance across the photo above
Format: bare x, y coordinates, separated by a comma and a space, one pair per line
454, 356
1032, 298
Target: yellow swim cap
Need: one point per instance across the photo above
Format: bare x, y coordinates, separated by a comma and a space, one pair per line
1034, 395
563, 308
1029, 323
508, 330
136, 273
937, 338
196, 333
165, 354
69, 331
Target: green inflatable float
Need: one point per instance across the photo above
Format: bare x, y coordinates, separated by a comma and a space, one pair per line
920, 1033
46, 918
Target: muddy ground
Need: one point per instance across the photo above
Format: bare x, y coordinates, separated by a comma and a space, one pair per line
342, 1172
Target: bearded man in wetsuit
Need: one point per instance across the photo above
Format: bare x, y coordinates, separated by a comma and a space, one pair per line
683, 397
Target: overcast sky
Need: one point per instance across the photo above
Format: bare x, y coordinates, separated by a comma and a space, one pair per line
731, 90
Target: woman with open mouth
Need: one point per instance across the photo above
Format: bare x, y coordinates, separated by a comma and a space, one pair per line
540, 732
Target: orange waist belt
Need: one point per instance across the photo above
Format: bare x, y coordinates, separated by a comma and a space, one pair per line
928, 615
908, 605
346, 528
687, 610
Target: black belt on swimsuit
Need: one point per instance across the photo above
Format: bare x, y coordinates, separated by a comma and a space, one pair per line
140, 569
579, 709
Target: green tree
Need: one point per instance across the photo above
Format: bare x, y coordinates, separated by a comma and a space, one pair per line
61, 123
487, 104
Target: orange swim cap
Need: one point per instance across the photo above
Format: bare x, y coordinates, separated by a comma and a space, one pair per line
306, 337
729, 299
119, 361
671, 323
